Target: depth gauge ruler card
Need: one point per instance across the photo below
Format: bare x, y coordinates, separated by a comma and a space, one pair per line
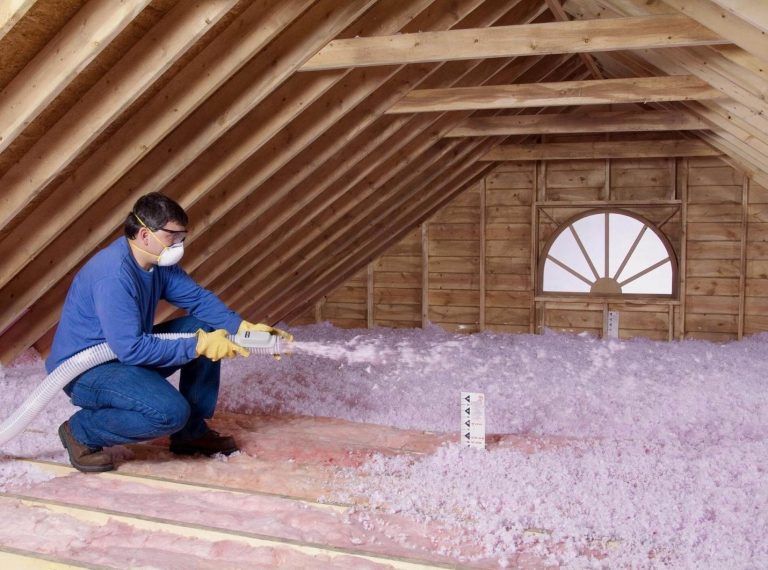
473, 419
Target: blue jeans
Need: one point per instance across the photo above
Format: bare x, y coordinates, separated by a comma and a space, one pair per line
128, 404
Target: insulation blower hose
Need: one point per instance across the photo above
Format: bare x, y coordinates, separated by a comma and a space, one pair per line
72, 368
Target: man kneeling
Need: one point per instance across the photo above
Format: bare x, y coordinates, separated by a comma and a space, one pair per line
113, 299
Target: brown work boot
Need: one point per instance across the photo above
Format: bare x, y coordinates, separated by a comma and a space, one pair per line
210, 443
82, 457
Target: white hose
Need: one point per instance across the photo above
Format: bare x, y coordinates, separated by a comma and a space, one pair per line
75, 365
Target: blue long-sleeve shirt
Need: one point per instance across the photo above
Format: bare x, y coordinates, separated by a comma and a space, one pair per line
112, 299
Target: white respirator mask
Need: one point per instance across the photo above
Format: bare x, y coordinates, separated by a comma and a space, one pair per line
171, 255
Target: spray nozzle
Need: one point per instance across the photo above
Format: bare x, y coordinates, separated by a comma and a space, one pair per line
262, 342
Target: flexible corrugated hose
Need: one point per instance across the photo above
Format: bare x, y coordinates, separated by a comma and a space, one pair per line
93, 356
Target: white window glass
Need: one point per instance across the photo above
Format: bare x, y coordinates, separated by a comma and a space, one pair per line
623, 232
591, 231
647, 265
658, 282
558, 280
567, 251
648, 252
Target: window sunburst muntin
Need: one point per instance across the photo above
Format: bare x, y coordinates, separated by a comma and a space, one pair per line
608, 253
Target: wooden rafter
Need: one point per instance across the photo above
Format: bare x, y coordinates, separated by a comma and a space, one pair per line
39, 325
77, 44
589, 92
512, 41
277, 306
557, 10
756, 13
327, 179
737, 139
11, 11
364, 200
739, 116
379, 210
590, 122
731, 122
728, 24
603, 149
446, 193
231, 199
118, 202
287, 192
328, 232
104, 102
418, 211
383, 200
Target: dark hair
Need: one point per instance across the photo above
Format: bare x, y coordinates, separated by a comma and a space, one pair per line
155, 210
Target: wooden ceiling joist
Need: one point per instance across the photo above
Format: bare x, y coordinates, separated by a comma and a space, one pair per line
589, 92
90, 31
11, 11
512, 41
590, 122
602, 149
102, 104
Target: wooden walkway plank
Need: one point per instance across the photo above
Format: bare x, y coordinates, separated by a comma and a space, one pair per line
21, 560
104, 526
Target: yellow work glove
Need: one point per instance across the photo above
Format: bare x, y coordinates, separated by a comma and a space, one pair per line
216, 345
260, 327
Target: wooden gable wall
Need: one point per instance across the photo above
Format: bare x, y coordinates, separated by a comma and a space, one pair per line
469, 267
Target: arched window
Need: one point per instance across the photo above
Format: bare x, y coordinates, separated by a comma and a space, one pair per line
609, 253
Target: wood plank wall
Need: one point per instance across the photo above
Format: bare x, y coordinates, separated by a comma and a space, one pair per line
714, 217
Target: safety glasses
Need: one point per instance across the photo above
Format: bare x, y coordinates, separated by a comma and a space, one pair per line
177, 236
